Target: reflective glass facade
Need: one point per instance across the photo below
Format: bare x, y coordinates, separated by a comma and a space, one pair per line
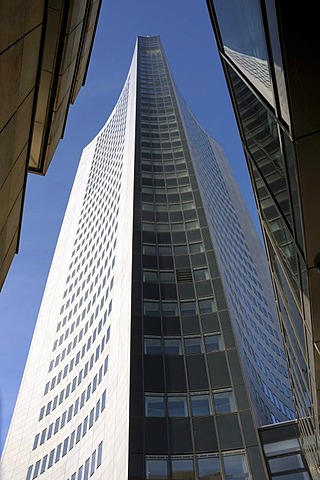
152, 341
266, 47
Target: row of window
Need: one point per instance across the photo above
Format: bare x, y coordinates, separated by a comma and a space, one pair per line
83, 473
195, 405
85, 348
69, 367
89, 290
190, 345
233, 465
66, 417
152, 276
176, 156
64, 393
170, 250
105, 253
172, 309
52, 404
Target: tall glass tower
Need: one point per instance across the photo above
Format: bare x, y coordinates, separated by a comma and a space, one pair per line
157, 350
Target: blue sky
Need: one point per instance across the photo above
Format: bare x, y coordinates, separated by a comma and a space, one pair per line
188, 39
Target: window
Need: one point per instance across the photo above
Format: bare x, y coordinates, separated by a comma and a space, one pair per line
177, 407
224, 402
149, 276
196, 248
149, 249
192, 225
86, 469
193, 345
93, 463
182, 468
44, 464
188, 308
209, 468
167, 277
201, 274
213, 343
65, 446
51, 456
154, 406
29, 472
151, 308
172, 346
36, 440
165, 250
286, 463
169, 309
200, 405
207, 305
235, 466
157, 469
99, 456
58, 452
36, 469
152, 346
181, 250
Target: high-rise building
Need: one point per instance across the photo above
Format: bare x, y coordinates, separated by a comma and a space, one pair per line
45, 48
270, 55
157, 350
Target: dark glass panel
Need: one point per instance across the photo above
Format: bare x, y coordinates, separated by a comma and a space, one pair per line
180, 435
218, 370
197, 373
156, 436
205, 435
175, 374
153, 373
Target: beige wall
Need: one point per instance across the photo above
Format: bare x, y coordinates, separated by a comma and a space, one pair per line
44, 52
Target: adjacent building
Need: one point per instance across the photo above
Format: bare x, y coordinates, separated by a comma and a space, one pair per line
157, 351
270, 55
45, 48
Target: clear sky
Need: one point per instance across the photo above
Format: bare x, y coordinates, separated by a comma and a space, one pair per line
188, 39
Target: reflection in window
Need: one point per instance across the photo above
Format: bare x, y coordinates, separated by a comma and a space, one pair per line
192, 225
177, 407
181, 250
188, 308
167, 277
152, 346
201, 274
235, 466
224, 402
169, 309
172, 346
182, 469
213, 343
151, 308
157, 469
154, 406
165, 251
207, 305
287, 462
209, 468
149, 276
200, 405
196, 247
149, 249
243, 38
193, 345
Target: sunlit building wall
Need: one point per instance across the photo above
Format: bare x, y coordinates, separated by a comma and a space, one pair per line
157, 349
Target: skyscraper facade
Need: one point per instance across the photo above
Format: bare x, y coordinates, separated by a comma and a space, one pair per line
269, 52
157, 349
